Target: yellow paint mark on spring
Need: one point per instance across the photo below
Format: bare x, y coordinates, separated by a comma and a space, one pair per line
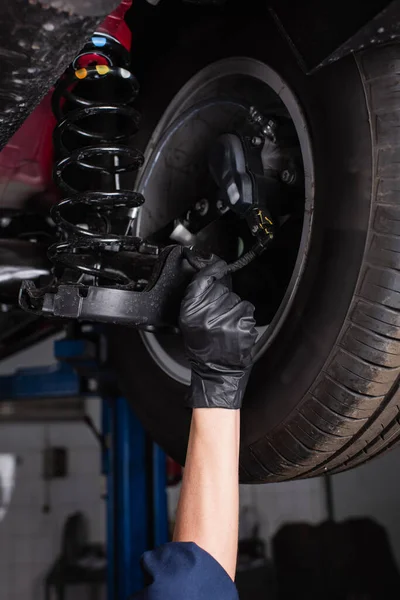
102, 69
81, 73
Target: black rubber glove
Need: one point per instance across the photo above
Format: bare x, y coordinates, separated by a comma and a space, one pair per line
219, 333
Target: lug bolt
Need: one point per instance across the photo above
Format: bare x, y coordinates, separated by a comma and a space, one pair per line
254, 229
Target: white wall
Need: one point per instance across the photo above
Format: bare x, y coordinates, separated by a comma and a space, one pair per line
278, 503
30, 539
372, 490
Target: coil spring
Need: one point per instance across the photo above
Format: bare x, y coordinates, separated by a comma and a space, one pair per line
91, 145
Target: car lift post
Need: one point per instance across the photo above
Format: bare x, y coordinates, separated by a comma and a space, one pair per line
135, 467
136, 472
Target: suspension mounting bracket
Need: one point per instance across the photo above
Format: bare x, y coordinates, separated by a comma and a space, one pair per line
156, 307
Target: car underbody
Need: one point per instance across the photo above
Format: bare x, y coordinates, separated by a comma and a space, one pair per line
27, 231
267, 135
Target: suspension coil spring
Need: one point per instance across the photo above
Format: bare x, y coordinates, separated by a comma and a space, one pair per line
92, 150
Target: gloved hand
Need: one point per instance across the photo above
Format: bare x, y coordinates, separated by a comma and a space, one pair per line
219, 332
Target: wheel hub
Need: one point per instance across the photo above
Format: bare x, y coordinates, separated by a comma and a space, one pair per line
177, 175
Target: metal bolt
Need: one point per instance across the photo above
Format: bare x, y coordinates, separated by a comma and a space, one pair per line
256, 141
267, 126
269, 129
254, 229
221, 207
288, 176
5, 221
201, 207
255, 115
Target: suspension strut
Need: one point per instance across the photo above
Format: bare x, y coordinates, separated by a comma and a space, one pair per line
101, 271
94, 163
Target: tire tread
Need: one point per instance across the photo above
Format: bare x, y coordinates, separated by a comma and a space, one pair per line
351, 413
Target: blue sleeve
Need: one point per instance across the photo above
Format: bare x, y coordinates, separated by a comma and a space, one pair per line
183, 571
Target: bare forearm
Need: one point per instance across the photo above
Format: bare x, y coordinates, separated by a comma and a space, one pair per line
208, 510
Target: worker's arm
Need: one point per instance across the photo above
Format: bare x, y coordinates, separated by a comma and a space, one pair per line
219, 333
208, 510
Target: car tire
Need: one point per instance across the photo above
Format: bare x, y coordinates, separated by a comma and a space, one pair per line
324, 396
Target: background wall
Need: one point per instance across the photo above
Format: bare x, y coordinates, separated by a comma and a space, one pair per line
372, 490
278, 503
30, 538
272, 505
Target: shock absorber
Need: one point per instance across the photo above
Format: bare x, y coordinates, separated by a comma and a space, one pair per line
95, 122
101, 271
